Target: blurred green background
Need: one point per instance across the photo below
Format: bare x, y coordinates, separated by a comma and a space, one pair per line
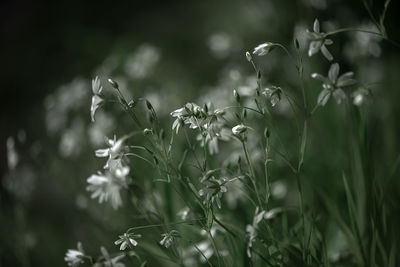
171, 52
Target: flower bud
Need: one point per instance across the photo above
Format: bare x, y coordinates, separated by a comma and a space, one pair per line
248, 56
113, 83
236, 95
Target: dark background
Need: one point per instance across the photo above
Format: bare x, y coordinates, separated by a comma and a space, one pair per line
46, 44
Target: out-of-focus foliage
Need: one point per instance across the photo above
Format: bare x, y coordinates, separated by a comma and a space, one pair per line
172, 53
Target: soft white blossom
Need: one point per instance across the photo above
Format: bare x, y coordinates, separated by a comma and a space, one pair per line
273, 94
333, 84
169, 238
108, 186
75, 257
97, 99
319, 42
127, 240
238, 129
213, 190
113, 151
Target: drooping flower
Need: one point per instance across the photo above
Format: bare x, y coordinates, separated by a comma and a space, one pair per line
108, 186
213, 190
333, 84
97, 99
75, 257
273, 94
319, 42
263, 49
251, 229
113, 151
169, 238
127, 240
111, 262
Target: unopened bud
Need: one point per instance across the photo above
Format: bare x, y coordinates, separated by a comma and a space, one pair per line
113, 83
248, 56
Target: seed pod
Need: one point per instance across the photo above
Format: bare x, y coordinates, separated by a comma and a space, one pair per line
266, 133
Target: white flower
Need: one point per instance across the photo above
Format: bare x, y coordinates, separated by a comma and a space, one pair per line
238, 129
111, 262
213, 132
169, 238
108, 186
263, 49
127, 240
273, 94
183, 213
251, 229
112, 152
97, 99
333, 84
213, 190
75, 257
12, 155
186, 115
318, 42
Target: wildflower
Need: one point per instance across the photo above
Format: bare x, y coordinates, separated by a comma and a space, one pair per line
75, 257
97, 99
127, 240
108, 186
361, 96
186, 115
333, 84
213, 190
273, 94
319, 42
263, 49
111, 262
213, 132
112, 152
183, 213
238, 129
251, 229
169, 238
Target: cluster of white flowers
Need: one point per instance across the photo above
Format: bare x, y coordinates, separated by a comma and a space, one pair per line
207, 122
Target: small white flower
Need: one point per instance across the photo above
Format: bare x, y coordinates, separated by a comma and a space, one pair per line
111, 262
213, 190
12, 155
183, 213
127, 240
333, 84
318, 42
97, 99
273, 94
113, 151
75, 257
108, 186
263, 49
169, 238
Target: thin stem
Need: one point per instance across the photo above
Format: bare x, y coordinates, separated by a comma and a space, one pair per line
253, 175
